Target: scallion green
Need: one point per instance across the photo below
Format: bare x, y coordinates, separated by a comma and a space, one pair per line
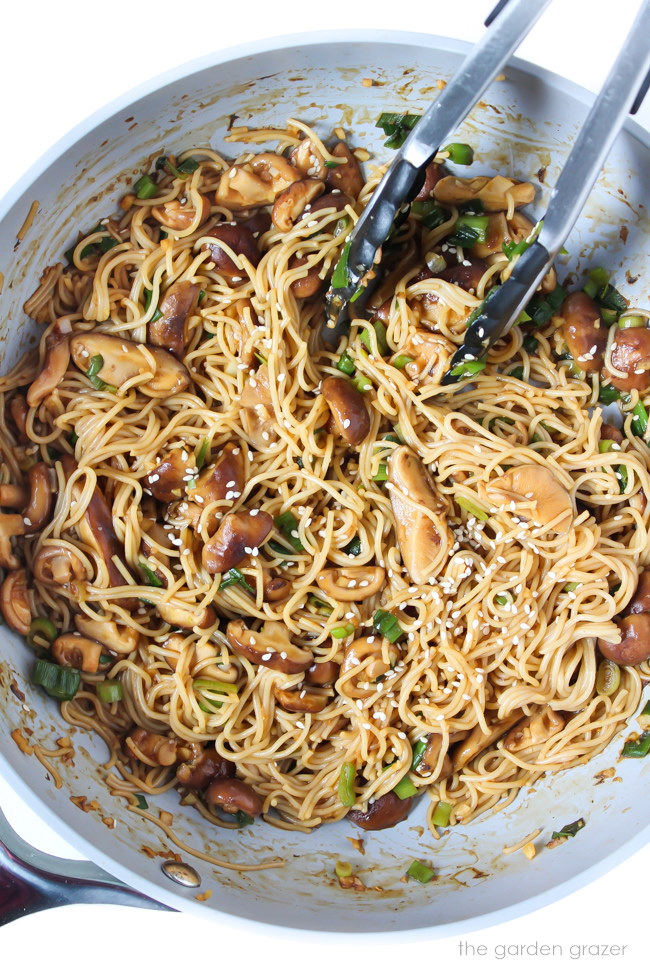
343, 631
354, 547
145, 188
460, 153
287, 524
340, 275
346, 364
41, 629
110, 691
419, 749
396, 126
420, 872
202, 453
608, 394
150, 576
361, 383
405, 788
387, 625
639, 420
402, 360
61, 683
638, 747
470, 368
379, 330
473, 509
441, 814
233, 577
382, 472
347, 775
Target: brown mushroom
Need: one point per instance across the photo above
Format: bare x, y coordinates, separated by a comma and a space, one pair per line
13, 496
118, 637
348, 409
240, 534
150, 748
257, 412
271, 646
290, 205
432, 175
534, 730
275, 170
363, 662
610, 432
56, 564
478, 740
275, 588
583, 331
351, 584
347, 175
14, 601
10, 526
205, 766
233, 238
494, 192
55, 364
630, 354
72, 650
122, 360
634, 646
383, 813
465, 276
239, 188
301, 700
640, 602
335, 201
431, 757
167, 480
531, 485
234, 796
181, 216
18, 413
187, 617
423, 536
430, 353
308, 160
323, 673
37, 513
242, 314
168, 330
309, 283
223, 480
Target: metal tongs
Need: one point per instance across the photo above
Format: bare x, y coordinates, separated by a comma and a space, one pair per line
508, 24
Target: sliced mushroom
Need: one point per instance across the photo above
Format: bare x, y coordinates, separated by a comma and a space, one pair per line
291, 203
275, 170
167, 480
243, 316
10, 527
240, 188
275, 588
520, 228
168, 331
240, 534
430, 352
72, 650
610, 432
18, 413
534, 730
423, 535
14, 601
583, 331
308, 160
630, 354
271, 646
118, 637
13, 496
496, 233
150, 748
257, 412
634, 646
334, 201
348, 409
223, 479
323, 673
640, 602
532, 484
363, 663
187, 617
235, 238
431, 756
309, 283
432, 175
494, 192
345, 177
57, 564
123, 360
351, 584
205, 766
478, 740
180, 216
383, 813
234, 796
465, 276
57, 358
301, 700
37, 513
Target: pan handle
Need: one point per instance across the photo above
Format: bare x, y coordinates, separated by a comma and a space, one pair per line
32, 881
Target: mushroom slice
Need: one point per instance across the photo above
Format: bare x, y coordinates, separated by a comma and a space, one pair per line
240, 188
300, 700
292, 202
257, 412
494, 192
122, 360
583, 331
275, 170
310, 282
224, 478
168, 331
167, 480
150, 748
477, 740
534, 730
239, 534
13, 496
14, 601
640, 602
307, 158
10, 526
345, 177
239, 240
532, 484
348, 409
383, 813
234, 796
325, 672
270, 647
423, 536
243, 315
431, 757
72, 650
56, 564
634, 645
363, 663
37, 512
119, 638
351, 584
187, 617
205, 766
180, 216
430, 353
630, 355
57, 358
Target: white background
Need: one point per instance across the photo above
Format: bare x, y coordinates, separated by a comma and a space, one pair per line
62, 60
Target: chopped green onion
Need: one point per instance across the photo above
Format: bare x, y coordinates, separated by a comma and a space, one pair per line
420, 872
202, 453
140, 801
243, 819
473, 509
184, 169
234, 577
597, 281
517, 372
382, 473
611, 298
541, 308
110, 691
279, 549
469, 368
511, 249
362, 383
145, 188
469, 230
214, 686
380, 333
398, 433
418, 752
61, 683
646, 711
608, 677
608, 394
387, 625
608, 315
599, 288
341, 275
640, 420
343, 869
342, 632
637, 748
261, 358
622, 478
402, 360
441, 814
201, 296
43, 628
405, 788
571, 586
206, 689
530, 343
346, 364
150, 576
570, 830
429, 212
632, 321
321, 607
522, 318
397, 126
287, 524
96, 363
105, 659
347, 776
73, 438
503, 599
460, 153
333, 163
353, 547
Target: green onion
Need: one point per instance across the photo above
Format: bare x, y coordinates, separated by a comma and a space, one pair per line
150, 576
387, 625
646, 711
510, 249
398, 433
570, 830
43, 628
530, 343
473, 509
608, 315
110, 691
214, 686
571, 586
362, 383
105, 659
598, 287
342, 632
392, 438
608, 394
243, 819
441, 814
611, 298
405, 788
402, 360
332, 164
420, 872
201, 296
287, 524
342, 868
321, 607
234, 577
469, 230
608, 677
460, 153
95, 366
517, 372
202, 452
469, 368
640, 420
637, 748
140, 801
279, 549
632, 321
341, 275
382, 473
184, 169
429, 212
598, 280
541, 308
353, 547
622, 478
145, 188
346, 364
206, 689
61, 683
397, 126
73, 438
522, 318
418, 752
347, 776
380, 333
503, 599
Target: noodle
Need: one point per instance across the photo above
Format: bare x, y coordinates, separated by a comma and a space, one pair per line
501, 631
